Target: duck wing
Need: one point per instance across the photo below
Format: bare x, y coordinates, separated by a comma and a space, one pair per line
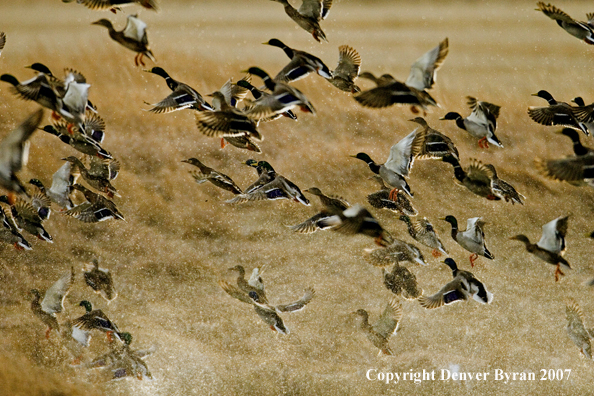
299, 304
235, 292
553, 235
349, 63
53, 301
456, 290
388, 321
423, 71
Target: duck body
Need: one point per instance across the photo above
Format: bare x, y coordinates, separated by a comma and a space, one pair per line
347, 70
481, 123
217, 178
53, 301
133, 37
100, 280
97, 208
476, 177
581, 30
556, 113
472, 239
309, 15
381, 199
182, 96
422, 231
302, 63
357, 220
331, 206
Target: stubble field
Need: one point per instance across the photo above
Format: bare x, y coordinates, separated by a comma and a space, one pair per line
180, 238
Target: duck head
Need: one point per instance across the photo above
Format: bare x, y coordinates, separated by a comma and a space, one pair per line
87, 304
451, 116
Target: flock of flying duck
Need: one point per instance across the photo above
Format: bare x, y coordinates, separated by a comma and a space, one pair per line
75, 122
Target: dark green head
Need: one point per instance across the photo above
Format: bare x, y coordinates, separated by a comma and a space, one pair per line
244, 84
275, 42
41, 68
452, 220
37, 183
545, 95
4, 199
265, 166
51, 129
256, 71
451, 116
451, 263
363, 157
126, 337
579, 101
87, 304
103, 22
251, 162
404, 218
9, 78
158, 71
572, 134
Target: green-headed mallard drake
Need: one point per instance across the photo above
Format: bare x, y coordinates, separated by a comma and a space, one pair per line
476, 177
481, 123
395, 253
258, 94
254, 284
14, 153
399, 162
279, 188
215, 177
358, 220
61, 188
464, 286
133, 37
472, 239
99, 179
331, 205
309, 15
123, 361
556, 113
100, 280
97, 207
437, 145
381, 199
302, 63
95, 320
576, 330
182, 96
283, 97
115, 5
402, 282
266, 174
26, 218
76, 139
413, 91
2, 41
225, 122
551, 246
380, 332
53, 301
582, 30
347, 70
503, 189
423, 232
576, 170
268, 313
10, 234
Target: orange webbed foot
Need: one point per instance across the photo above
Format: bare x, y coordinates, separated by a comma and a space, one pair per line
436, 253
223, 143
393, 194
473, 258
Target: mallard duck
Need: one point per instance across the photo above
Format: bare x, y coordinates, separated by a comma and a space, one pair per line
309, 15
380, 332
226, 122
402, 282
283, 97
215, 177
78, 140
347, 70
254, 284
576, 329
399, 162
61, 188
582, 30
437, 145
302, 63
95, 320
258, 94
476, 177
357, 220
10, 234
14, 153
53, 301
412, 92
556, 113
381, 199
26, 218
2, 41
472, 239
266, 174
268, 313
481, 123
100, 280
123, 361
133, 37
551, 246
182, 96
97, 180
423, 232
279, 188
331, 205
503, 189
464, 286
398, 251
97, 207
381, 81
584, 113
115, 5
575, 170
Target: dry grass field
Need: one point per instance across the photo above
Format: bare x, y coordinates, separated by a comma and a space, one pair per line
180, 238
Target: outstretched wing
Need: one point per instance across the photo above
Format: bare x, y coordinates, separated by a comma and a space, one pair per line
54, 296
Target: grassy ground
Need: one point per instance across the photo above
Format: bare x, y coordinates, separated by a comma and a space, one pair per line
180, 238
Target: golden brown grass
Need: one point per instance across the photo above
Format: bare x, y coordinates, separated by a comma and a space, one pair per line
179, 238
